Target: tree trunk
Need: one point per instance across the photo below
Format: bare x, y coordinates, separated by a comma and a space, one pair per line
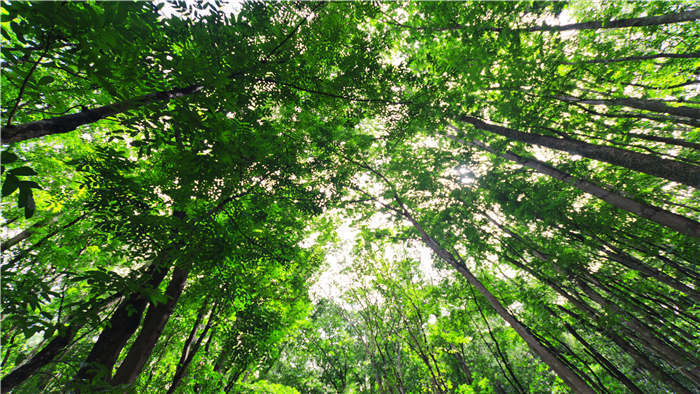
666, 140
630, 22
125, 321
638, 356
22, 254
66, 123
657, 106
668, 169
562, 370
48, 353
153, 325
690, 55
661, 216
188, 354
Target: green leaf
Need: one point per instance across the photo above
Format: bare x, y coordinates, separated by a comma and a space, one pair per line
10, 185
46, 80
22, 171
8, 157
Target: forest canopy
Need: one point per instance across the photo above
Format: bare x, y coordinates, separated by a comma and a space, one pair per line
350, 197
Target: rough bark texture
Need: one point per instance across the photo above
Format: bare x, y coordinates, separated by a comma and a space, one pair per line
666, 140
119, 329
661, 216
668, 169
66, 123
152, 327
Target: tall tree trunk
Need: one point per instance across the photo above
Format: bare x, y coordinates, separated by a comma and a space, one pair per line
630, 349
125, 321
666, 140
661, 216
638, 356
668, 169
562, 370
66, 123
189, 353
685, 16
46, 355
152, 327
644, 104
689, 55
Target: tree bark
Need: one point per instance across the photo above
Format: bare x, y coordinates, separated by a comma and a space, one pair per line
668, 169
562, 370
657, 106
22, 254
152, 327
686, 16
189, 353
638, 356
66, 123
661, 216
690, 55
100, 362
48, 353
666, 140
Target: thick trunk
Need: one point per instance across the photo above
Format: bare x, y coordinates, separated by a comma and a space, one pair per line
562, 370
690, 55
125, 321
668, 169
153, 325
665, 218
66, 123
643, 104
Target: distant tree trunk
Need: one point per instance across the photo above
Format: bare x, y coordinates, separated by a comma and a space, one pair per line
188, 353
66, 123
122, 325
668, 169
561, 369
638, 356
661, 216
152, 327
458, 354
